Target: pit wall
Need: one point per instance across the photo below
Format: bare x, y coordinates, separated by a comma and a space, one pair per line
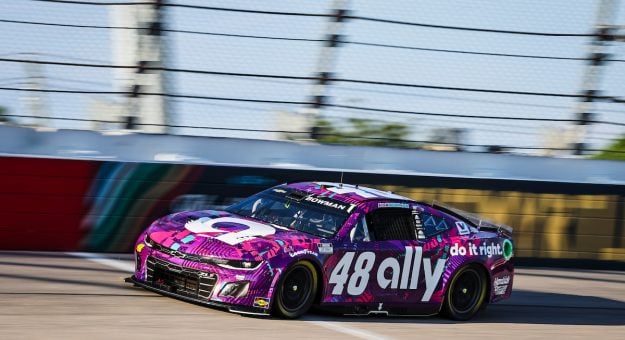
85, 205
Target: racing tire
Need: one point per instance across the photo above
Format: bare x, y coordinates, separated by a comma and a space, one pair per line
466, 294
296, 291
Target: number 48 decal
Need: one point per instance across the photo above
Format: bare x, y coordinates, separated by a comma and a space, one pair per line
359, 279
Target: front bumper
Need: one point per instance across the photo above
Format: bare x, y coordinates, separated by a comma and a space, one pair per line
221, 305
174, 274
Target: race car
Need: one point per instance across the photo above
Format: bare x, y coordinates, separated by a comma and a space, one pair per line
343, 248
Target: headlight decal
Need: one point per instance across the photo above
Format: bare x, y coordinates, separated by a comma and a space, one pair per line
235, 289
148, 241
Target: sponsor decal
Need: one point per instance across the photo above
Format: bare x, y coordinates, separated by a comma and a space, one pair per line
261, 302
208, 227
140, 247
302, 252
463, 228
325, 248
508, 249
280, 191
392, 272
393, 205
500, 285
418, 224
326, 203
471, 249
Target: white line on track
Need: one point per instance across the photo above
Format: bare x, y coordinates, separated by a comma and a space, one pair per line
102, 259
334, 326
357, 333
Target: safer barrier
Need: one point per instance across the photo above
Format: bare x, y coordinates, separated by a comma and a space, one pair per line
68, 205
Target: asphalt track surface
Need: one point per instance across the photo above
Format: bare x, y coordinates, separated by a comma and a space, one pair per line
83, 296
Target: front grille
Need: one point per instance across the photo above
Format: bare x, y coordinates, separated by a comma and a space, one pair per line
179, 280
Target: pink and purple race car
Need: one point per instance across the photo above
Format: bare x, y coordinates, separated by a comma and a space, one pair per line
339, 247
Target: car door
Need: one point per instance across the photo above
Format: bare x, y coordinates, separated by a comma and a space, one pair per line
416, 235
372, 267
433, 245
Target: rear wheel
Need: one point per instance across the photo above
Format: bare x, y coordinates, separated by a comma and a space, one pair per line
296, 291
466, 294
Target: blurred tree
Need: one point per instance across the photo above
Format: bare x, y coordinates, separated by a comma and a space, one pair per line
3, 118
616, 151
446, 139
363, 132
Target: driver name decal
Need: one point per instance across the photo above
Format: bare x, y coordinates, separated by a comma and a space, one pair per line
325, 203
391, 273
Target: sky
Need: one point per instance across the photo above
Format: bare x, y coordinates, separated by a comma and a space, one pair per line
300, 58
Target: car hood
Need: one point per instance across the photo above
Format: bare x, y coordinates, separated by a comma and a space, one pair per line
224, 235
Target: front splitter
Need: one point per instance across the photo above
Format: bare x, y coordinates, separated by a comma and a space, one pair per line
220, 305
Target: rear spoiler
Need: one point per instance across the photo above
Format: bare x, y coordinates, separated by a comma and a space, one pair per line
475, 220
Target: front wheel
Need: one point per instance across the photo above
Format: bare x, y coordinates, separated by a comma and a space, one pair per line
296, 291
466, 294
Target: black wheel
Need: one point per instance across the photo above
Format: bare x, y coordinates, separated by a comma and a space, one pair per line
466, 294
296, 291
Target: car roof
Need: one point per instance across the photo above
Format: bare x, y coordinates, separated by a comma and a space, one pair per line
347, 193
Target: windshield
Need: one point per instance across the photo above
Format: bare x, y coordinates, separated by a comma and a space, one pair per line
296, 210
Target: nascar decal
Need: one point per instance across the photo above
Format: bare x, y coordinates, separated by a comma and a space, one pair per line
403, 275
206, 226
